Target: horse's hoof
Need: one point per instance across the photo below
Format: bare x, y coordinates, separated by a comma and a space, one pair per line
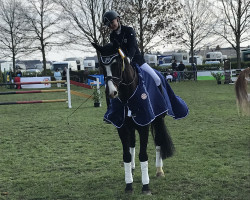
160, 174
129, 188
146, 190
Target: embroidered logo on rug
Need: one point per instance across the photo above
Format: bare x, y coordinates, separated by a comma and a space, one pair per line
144, 96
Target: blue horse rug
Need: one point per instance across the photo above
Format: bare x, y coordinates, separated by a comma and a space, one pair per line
147, 102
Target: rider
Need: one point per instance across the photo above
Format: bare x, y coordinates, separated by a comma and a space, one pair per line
125, 36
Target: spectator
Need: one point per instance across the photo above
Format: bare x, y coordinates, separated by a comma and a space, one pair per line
194, 71
181, 68
64, 77
17, 79
19, 73
174, 65
64, 73
175, 76
58, 77
169, 77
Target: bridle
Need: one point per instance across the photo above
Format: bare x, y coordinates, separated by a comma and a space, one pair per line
108, 60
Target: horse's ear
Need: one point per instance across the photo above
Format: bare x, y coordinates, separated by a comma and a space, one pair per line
96, 46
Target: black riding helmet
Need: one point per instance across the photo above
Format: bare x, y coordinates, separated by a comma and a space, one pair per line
109, 16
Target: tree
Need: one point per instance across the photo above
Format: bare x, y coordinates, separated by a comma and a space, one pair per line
152, 20
13, 40
196, 24
234, 24
85, 20
44, 19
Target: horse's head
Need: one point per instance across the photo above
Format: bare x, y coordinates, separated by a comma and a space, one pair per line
113, 62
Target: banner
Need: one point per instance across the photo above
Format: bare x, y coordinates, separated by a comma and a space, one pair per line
35, 79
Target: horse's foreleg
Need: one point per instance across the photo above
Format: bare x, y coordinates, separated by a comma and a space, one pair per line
143, 157
124, 136
132, 149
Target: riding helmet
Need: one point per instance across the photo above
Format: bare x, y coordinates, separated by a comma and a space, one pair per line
109, 16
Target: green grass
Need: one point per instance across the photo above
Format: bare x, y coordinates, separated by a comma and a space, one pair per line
45, 156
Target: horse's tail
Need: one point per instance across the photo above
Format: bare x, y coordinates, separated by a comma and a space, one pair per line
241, 91
162, 137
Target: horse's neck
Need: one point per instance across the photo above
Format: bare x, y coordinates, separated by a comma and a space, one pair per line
129, 83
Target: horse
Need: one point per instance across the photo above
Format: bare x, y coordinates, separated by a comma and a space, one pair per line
242, 96
122, 82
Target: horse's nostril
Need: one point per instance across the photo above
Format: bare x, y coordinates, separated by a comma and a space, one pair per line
115, 93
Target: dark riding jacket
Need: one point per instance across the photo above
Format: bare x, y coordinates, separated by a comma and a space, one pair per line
127, 42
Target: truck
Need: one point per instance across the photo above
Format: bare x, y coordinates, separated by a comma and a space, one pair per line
184, 57
72, 65
6, 66
198, 60
215, 57
166, 61
89, 64
79, 62
151, 59
245, 55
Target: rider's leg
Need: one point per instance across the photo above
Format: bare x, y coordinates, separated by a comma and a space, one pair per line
152, 73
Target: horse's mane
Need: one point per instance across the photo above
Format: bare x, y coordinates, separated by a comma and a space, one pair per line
241, 91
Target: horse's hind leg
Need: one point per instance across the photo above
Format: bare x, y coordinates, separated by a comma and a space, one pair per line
124, 136
159, 162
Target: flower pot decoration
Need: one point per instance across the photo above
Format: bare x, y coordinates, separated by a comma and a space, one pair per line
218, 76
97, 97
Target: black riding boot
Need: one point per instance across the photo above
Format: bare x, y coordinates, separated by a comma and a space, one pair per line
160, 88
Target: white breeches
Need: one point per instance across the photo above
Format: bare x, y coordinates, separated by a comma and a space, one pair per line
152, 73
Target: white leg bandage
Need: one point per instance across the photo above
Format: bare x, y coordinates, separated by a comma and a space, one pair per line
152, 73
128, 173
144, 173
158, 159
132, 152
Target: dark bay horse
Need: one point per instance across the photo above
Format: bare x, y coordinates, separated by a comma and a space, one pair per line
122, 83
242, 96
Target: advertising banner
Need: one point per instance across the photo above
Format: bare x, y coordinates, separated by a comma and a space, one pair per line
36, 79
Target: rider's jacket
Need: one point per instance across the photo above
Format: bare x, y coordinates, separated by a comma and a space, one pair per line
126, 40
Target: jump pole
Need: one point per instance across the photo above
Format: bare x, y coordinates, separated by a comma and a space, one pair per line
68, 89
33, 91
36, 101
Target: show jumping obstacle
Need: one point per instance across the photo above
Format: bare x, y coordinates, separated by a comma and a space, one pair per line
39, 91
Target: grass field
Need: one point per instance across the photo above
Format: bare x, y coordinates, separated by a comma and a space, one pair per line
44, 154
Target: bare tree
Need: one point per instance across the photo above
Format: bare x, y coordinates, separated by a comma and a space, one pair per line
234, 24
44, 18
13, 41
152, 20
85, 20
196, 24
